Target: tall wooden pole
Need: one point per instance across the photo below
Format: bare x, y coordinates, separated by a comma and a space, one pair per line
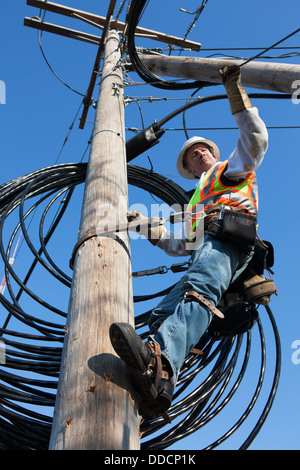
95, 408
261, 75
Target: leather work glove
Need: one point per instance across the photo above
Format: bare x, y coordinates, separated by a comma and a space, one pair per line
237, 96
151, 228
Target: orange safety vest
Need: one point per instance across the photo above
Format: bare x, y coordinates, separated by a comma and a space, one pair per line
210, 192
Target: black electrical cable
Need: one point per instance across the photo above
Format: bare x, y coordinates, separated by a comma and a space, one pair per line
48, 183
274, 387
146, 138
270, 47
207, 99
146, 75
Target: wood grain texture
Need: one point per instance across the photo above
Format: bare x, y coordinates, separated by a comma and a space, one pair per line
95, 409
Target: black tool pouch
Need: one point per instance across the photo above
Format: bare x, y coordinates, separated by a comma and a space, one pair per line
235, 227
240, 316
240, 302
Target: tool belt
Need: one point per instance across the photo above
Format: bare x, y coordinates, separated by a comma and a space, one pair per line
232, 226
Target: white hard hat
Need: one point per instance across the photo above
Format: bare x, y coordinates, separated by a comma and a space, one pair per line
194, 140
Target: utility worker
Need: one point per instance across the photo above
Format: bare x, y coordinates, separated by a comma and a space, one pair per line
183, 316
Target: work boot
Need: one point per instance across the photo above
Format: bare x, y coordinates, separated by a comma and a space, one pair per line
150, 377
158, 407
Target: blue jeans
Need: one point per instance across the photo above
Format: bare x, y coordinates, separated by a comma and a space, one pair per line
176, 324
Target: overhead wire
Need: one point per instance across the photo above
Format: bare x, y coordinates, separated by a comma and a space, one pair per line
269, 48
201, 100
53, 71
197, 14
39, 35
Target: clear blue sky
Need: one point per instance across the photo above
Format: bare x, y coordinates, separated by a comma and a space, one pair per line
39, 110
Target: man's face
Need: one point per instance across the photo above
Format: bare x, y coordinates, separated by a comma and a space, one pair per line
198, 158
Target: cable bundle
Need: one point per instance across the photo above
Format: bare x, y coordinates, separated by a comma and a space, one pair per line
34, 350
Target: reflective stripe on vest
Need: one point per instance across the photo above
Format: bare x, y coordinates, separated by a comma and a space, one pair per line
243, 196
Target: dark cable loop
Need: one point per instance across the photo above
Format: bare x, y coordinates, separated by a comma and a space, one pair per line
197, 408
22, 428
148, 76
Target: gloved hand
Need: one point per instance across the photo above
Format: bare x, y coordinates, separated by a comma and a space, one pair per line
237, 96
151, 228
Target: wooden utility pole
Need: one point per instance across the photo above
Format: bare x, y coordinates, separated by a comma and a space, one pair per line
95, 409
261, 75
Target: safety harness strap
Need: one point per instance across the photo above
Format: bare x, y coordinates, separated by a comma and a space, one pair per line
155, 364
204, 301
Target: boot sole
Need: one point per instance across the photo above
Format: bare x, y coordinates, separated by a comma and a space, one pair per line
127, 344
